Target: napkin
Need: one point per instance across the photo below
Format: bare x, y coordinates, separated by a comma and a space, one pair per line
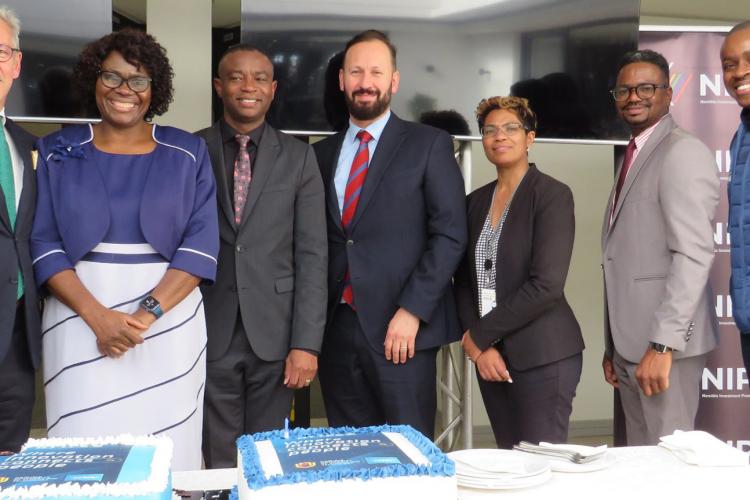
702, 449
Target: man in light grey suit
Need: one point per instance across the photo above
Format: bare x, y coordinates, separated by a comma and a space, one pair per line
266, 311
657, 246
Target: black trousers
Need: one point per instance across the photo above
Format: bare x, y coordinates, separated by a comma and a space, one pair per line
244, 395
16, 389
536, 406
361, 388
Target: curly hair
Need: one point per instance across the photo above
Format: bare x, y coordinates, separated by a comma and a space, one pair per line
519, 106
139, 49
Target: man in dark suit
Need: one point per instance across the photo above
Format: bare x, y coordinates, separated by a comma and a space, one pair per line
20, 338
396, 232
266, 311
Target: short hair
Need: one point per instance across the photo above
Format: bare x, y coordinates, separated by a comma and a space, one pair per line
139, 49
645, 56
744, 25
242, 47
370, 36
519, 106
11, 19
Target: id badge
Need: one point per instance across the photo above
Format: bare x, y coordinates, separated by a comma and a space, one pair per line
488, 300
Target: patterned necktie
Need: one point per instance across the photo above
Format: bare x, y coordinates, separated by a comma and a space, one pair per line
8, 185
626, 162
242, 176
357, 175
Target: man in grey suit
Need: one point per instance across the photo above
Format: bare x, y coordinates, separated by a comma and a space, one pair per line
266, 311
657, 246
20, 337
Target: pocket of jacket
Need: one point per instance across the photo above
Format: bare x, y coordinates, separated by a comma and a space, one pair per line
284, 285
650, 277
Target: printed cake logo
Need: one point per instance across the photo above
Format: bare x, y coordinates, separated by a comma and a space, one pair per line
304, 465
4, 479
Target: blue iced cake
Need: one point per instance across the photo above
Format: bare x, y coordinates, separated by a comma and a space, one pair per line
385, 462
125, 467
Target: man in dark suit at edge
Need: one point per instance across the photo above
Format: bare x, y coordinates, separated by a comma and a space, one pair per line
396, 232
20, 337
266, 311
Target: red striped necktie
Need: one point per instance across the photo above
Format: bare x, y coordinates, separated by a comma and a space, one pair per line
357, 175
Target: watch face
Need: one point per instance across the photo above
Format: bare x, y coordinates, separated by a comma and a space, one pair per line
149, 302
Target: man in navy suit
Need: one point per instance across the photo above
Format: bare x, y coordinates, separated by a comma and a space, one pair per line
20, 339
396, 233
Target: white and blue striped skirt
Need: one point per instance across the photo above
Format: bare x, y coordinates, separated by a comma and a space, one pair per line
155, 387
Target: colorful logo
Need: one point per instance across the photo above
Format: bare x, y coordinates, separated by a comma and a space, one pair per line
4, 479
304, 465
679, 82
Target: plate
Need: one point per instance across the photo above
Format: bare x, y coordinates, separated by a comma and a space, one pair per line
471, 492
501, 465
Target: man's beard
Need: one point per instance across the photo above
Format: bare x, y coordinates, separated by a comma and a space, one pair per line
368, 111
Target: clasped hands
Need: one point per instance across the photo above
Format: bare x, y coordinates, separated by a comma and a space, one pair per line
116, 331
652, 372
490, 363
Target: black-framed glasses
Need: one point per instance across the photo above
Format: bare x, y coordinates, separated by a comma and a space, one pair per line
113, 80
6, 52
507, 129
643, 91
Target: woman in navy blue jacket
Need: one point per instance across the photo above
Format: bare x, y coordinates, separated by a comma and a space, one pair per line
125, 230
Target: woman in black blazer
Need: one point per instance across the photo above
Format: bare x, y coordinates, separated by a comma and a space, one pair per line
518, 327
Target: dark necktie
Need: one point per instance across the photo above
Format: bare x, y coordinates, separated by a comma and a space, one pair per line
8, 185
242, 176
357, 175
626, 162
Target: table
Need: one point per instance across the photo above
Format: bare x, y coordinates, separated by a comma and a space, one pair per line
640, 473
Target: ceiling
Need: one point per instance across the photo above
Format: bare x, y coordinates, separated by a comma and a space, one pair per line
227, 12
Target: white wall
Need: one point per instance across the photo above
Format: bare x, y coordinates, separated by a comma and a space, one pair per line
183, 27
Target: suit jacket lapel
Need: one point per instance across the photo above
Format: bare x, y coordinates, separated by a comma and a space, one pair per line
390, 140
265, 159
216, 150
24, 146
661, 131
328, 170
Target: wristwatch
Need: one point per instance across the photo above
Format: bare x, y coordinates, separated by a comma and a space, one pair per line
660, 348
150, 304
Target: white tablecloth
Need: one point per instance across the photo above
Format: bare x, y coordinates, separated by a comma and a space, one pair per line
640, 473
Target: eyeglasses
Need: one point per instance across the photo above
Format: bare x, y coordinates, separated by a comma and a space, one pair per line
643, 91
6, 52
113, 80
508, 129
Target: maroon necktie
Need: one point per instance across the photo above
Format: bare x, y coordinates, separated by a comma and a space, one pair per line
626, 162
242, 177
357, 175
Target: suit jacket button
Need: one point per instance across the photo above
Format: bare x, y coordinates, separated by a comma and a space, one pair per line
349, 242
13, 280
240, 248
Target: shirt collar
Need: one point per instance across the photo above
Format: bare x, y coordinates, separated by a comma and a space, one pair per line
2, 116
641, 138
375, 129
745, 117
228, 132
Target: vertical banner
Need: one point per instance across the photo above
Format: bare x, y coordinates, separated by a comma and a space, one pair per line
701, 105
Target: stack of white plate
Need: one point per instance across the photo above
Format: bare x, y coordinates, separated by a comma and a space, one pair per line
483, 471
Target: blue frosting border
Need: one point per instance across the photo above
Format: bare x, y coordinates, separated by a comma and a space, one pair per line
440, 464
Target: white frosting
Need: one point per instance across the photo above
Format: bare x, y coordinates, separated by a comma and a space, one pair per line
156, 482
412, 487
